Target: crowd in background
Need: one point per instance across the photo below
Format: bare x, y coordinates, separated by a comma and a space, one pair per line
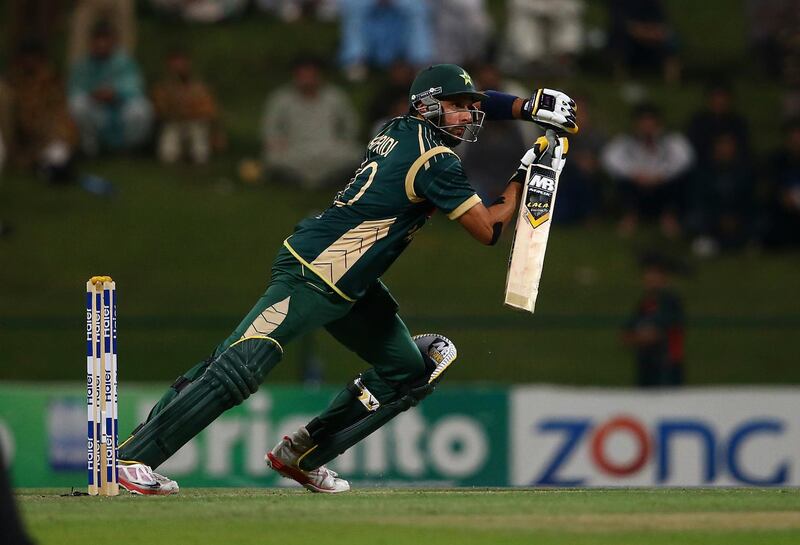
701, 180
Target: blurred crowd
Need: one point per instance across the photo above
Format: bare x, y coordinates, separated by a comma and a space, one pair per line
702, 181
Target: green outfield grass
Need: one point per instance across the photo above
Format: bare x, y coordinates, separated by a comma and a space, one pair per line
383, 516
191, 252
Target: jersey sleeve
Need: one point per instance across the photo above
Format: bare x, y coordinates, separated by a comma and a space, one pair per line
446, 186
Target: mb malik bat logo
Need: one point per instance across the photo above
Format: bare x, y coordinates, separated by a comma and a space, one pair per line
539, 199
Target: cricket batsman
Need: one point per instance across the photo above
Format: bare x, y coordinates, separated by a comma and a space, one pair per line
327, 274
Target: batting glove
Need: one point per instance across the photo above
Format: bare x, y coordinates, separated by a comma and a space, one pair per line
548, 151
540, 147
551, 109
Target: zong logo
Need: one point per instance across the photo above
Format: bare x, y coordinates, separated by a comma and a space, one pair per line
721, 455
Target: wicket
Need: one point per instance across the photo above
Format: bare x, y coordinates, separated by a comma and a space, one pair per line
101, 386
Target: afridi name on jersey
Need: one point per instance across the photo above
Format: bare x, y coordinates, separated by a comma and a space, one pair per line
406, 174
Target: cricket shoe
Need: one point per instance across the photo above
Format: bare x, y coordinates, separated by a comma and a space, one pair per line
284, 457
140, 479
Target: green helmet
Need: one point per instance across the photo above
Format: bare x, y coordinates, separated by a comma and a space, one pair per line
443, 81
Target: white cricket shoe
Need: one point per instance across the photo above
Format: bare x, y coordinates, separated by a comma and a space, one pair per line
283, 459
140, 479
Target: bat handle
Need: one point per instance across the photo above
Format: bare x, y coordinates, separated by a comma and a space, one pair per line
552, 142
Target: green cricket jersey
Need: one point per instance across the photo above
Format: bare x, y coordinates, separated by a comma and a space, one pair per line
408, 172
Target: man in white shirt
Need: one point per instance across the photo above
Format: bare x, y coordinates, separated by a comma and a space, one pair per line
648, 166
309, 129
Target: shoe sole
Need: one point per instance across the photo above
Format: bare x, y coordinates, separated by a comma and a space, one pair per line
296, 475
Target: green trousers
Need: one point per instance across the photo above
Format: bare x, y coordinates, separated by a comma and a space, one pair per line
297, 302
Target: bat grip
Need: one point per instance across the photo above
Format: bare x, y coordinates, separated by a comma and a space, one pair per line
552, 142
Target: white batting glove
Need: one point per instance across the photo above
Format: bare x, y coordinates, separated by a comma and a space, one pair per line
551, 109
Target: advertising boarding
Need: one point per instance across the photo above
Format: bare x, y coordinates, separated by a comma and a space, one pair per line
531, 436
457, 437
686, 437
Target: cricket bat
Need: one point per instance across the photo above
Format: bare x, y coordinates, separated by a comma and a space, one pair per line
532, 229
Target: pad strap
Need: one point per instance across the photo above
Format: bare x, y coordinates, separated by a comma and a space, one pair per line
180, 383
362, 393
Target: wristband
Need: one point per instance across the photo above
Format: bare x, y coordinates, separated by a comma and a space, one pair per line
499, 106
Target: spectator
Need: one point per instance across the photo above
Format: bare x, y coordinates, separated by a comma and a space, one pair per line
649, 166
784, 205
5, 131
490, 76
291, 11
394, 105
186, 110
201, 11
462, 31
2, 152
543, 35
656, 328
579, 197
38, 20
641, 38
120, 14
791, 101
499, 147
774, 30
106, 96
309, 129
6, 117
379, 32
5, 226
716, 119
44, 136
721, 198
384, 104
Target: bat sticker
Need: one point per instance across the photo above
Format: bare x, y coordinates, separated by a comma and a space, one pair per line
539, 199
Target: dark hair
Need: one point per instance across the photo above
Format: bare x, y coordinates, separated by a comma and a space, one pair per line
103, 29
792, 124
177, 51
719, 85
308, 60
31, 46
726, 133
646, 109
